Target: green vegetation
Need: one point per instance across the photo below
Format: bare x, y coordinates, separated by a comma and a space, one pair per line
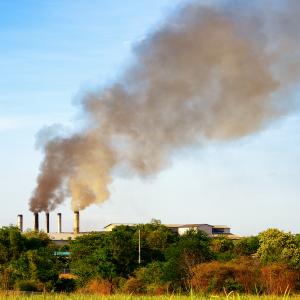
132, 297
107, 263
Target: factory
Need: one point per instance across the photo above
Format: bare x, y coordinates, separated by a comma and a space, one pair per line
61, 237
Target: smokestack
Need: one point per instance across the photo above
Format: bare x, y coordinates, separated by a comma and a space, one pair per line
20, 222
47, 222
59, 222
76, 222
36, 221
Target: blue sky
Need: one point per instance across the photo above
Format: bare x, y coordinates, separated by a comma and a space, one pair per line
51, 52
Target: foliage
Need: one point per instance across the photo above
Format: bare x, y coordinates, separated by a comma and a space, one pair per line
98, 287
104, 255
28, 286
39, 265
246, 246
133, 286
223, 248
214, 277
66, 285
89, 258
155, 239
12, 243
191, 249
27, 260
115, 253
277, 246
105, 263
278, 279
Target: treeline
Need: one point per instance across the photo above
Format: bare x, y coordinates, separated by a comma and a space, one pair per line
109, 262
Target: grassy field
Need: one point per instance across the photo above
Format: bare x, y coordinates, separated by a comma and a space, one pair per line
129, 297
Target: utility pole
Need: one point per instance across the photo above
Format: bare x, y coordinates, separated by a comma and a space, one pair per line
139, 246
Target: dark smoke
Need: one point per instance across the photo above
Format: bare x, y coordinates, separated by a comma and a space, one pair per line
209, 73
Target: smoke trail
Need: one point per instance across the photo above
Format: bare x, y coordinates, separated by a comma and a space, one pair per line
209, 73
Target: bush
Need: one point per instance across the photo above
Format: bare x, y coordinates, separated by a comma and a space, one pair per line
66, 285
216, 276
246, 246
28, 286
98, 287
158, 289
278, 279
133, 286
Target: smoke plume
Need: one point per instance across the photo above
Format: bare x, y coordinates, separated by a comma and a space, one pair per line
209, 73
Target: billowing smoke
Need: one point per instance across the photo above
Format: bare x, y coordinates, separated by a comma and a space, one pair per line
209, 73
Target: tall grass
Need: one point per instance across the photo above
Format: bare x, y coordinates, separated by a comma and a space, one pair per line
230, 296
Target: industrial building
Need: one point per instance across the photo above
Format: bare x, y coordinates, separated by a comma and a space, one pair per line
211, 230
61, 237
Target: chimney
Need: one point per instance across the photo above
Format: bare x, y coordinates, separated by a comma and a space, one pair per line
59, 222
47, 222
76, 222
20, 222
36, 221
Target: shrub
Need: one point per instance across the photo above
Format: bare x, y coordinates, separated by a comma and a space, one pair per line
216, 276
66, 285
246, 246
158, 289
28, 286
98, 287
133, 286
277, 246
278, 279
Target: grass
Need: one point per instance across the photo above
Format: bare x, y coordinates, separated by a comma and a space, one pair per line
130, 297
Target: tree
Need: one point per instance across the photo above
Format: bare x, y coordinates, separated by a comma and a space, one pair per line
191, 249
278, 246
223, 248
35, 240
12, 243
39, 266
246, 246
86, 257
155, 239
27, 258
105, 255
123, 249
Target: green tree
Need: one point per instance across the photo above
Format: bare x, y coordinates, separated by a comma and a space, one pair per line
123, 249
40, 266
35, 240
12, 243
27, 257
155, 239
223, 248
246, 246
278, 246
105, 255
86, 258
191, 249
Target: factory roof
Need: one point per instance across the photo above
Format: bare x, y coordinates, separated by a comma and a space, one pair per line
221, 226
192, 225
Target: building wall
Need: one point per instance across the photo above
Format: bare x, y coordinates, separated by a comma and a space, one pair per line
203, 227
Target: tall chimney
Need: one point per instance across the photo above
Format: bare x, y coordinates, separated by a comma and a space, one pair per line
76, 222
36, 221
47, 222
59, 222
20, 222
